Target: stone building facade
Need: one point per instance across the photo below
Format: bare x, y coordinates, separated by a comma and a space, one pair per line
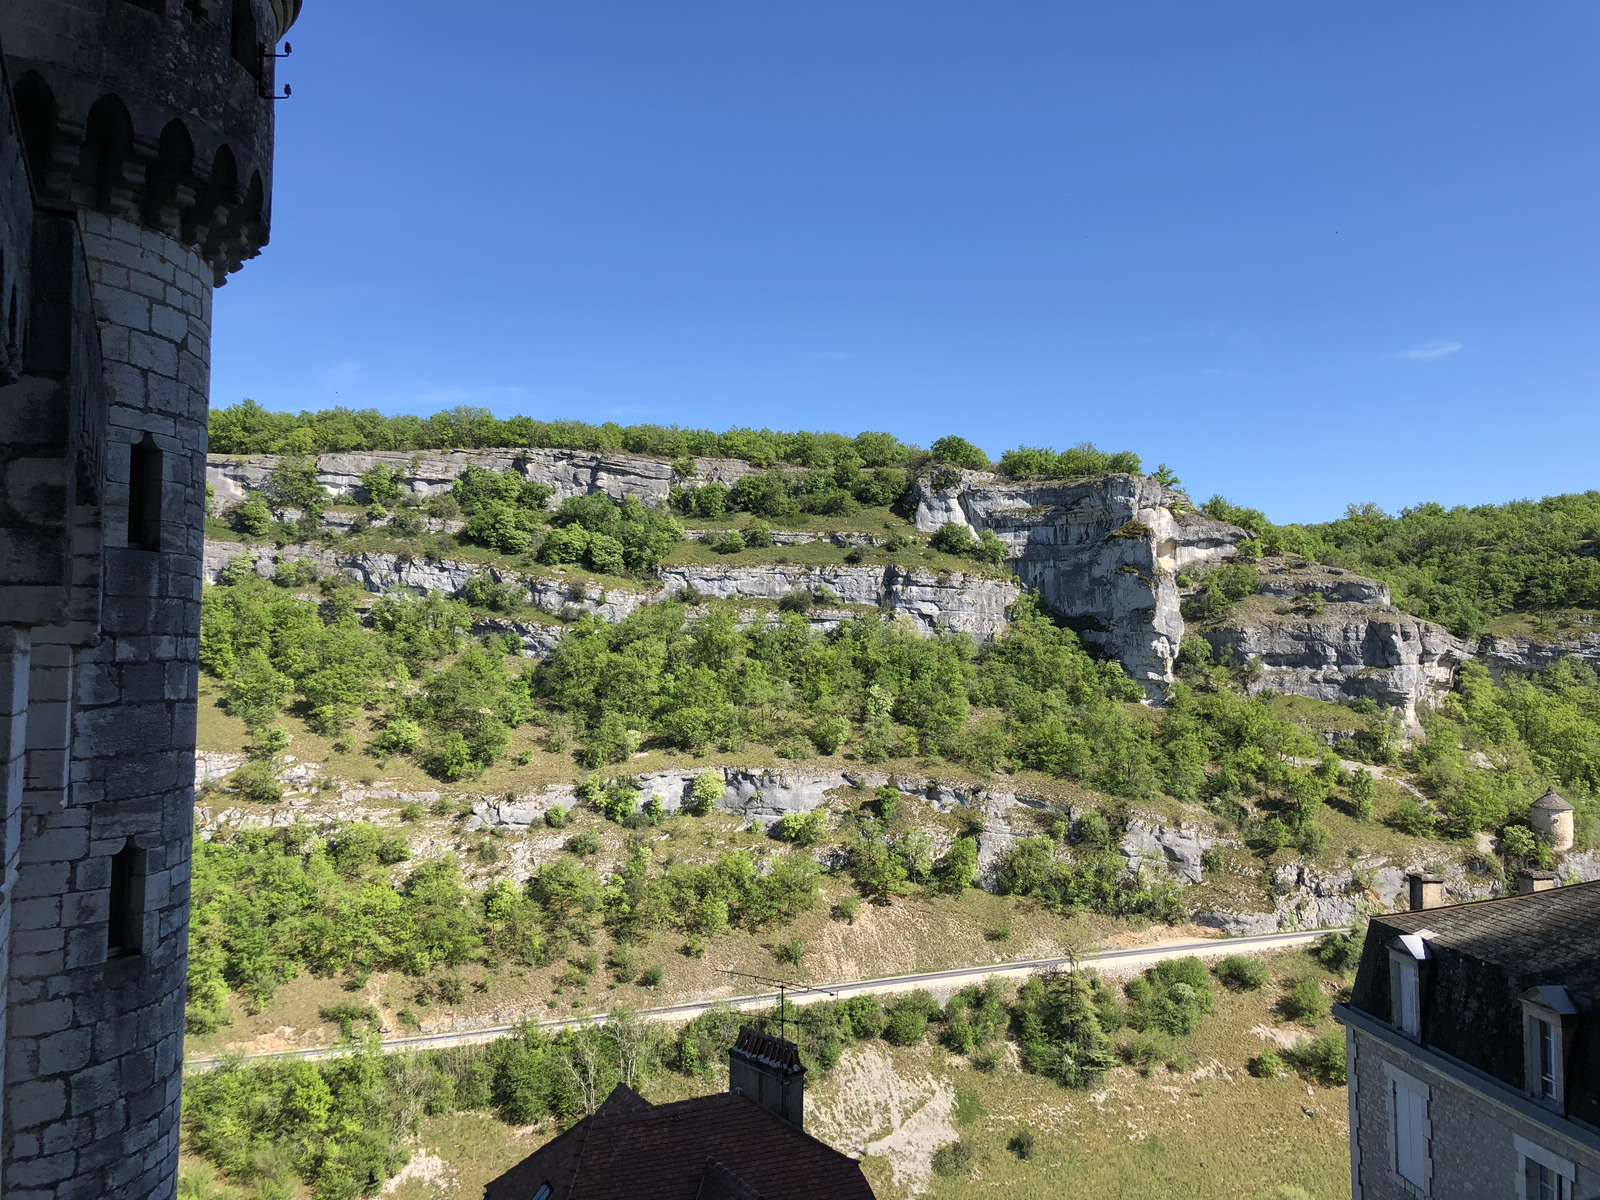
135, 175
1473, 1062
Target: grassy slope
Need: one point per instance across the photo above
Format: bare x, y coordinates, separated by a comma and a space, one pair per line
1209, 1132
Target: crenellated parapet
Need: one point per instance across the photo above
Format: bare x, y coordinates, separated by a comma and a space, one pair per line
155, 111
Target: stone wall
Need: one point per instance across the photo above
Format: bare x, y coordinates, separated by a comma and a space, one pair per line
96, 1028
1472, 1140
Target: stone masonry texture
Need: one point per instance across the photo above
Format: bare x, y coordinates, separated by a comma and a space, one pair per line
135, 168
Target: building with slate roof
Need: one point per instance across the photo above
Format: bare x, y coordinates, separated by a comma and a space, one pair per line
743, 1144
1473, 1057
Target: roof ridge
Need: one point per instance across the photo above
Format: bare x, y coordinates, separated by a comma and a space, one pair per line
1566, 888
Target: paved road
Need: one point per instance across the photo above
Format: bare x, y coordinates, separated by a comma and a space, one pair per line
1117, 962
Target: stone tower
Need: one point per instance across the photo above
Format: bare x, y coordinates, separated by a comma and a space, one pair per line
135, 174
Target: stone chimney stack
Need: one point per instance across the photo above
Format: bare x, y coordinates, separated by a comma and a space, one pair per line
1529, 882
767, 1069
1427, 891
1552, 816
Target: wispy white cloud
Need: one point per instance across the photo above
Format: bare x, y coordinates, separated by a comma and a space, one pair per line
1428, 351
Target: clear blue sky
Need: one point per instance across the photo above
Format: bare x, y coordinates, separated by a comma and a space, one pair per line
1307, 254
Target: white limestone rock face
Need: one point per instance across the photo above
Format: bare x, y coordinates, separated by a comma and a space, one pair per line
965, 602
1516, 655
1354, 646
1174, 848
1101, 552
428, 473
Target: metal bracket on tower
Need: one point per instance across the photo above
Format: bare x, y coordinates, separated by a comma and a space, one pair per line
266, 53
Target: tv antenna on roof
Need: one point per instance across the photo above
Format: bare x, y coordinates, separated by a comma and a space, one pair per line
783, 986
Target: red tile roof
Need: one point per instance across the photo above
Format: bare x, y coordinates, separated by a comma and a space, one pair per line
721, 1146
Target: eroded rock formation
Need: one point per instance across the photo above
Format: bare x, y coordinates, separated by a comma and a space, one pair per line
1101, 552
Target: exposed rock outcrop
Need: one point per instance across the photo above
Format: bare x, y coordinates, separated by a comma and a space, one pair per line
1342, 640
934, 600
427, 473
1100, 552
1520, 655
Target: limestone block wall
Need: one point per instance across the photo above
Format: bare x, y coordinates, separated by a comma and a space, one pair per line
96, 975
1472, 1139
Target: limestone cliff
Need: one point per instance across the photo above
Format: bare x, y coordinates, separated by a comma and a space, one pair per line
934, 600
1511, 654
1328, 634
1102, 552
569, 472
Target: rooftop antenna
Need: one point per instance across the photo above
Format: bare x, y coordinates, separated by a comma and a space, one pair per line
783, 987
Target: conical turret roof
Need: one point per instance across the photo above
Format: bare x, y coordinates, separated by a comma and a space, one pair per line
1551, 802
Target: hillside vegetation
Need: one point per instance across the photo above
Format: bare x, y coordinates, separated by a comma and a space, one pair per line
1459, 566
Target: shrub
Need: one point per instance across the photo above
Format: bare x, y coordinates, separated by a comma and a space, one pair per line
1022, 1144
953, 1158
1241, 972
1304, 1001
757, 535
401, 735
556, 816
951, 538
1058, 1029
252, 518
1266, 1065
1341, 951
802, 828
1363, 795
257, 784
907, 1018
791, 951
728, 543
1322, 1058
863, 1015
651, 976
583, 844
848, 907
1411, 818
703, 796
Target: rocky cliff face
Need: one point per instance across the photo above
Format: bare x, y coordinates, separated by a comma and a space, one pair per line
1517, 655
934, 600
1331, 635
1100, 552
569, 472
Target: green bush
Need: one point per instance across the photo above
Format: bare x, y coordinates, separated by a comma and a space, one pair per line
1266, 1065
1057, 1025
790, 951
802, 828
907, 1017
728, 543
556, 817
1304, 1001
1322, 1058
1022, 1144
706, 791
252, 518
952, 1159
1241, 972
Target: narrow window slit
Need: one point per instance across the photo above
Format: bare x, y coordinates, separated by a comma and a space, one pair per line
125, 917
144, 495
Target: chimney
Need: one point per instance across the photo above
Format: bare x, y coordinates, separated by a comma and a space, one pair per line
767, 1069
1427, 891
1529, 882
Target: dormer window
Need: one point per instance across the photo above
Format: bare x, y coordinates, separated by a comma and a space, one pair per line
1548, 1015
1406, 956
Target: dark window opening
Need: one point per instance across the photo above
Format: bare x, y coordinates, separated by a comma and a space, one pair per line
125, 917
245, 42
36, 114
1547, 1060
144, 495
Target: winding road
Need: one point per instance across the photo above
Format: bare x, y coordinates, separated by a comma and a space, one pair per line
1117, 962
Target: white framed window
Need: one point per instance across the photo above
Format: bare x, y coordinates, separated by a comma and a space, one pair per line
1406, 956
1410, 1130
1547, 1017
1542, 1174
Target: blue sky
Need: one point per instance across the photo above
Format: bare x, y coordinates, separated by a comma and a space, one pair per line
1307, 254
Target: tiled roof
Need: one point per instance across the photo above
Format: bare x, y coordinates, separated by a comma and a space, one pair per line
1551, 801
722, 1146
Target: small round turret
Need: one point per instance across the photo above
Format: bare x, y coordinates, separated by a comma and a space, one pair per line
1552, 816
155, 111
